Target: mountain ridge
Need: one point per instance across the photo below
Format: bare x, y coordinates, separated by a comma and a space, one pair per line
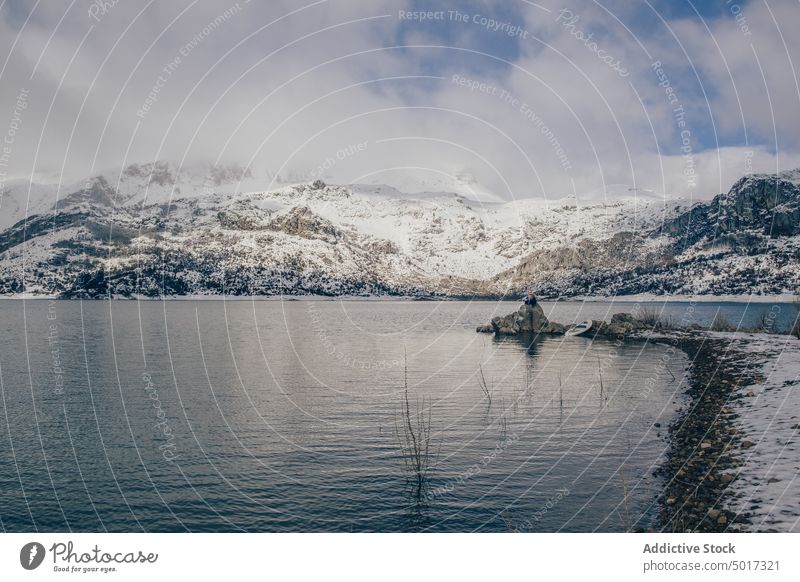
143, 238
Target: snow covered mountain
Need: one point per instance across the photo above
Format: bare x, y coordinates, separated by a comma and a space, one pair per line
746, 241
151, 230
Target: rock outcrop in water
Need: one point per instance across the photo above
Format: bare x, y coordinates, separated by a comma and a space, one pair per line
621, 325
532, 320
527, 319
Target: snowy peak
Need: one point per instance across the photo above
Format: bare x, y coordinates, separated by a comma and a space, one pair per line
20, 198
792, 176
155, 182
755, 204
162, 181
771, 203
421, 183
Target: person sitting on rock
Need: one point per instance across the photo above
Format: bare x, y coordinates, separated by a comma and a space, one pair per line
530, 299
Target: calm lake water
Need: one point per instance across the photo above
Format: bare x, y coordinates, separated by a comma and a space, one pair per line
283, 416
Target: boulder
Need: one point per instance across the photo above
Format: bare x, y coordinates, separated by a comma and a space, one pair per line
530, 318
554, 328
621, 325
527, 319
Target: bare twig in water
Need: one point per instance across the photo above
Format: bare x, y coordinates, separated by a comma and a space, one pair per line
625, 516
503, 421
414, 434
560, 391
485, 388
528, 383
600, 369
511, 527
670, 372
516, 397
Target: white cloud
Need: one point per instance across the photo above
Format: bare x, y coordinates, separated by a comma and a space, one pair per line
328, 76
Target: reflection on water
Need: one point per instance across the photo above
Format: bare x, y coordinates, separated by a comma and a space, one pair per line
283, 416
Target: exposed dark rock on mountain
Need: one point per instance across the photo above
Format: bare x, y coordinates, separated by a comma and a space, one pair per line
766, 205
302, 222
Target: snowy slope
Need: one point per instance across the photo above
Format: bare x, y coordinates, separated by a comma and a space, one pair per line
20, 198
156, 229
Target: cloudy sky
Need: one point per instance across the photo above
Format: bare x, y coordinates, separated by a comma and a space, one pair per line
525, 99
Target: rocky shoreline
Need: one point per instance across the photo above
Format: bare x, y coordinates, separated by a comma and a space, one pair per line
705, 445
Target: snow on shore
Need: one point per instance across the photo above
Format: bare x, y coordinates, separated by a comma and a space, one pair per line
768, 484
653, 298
